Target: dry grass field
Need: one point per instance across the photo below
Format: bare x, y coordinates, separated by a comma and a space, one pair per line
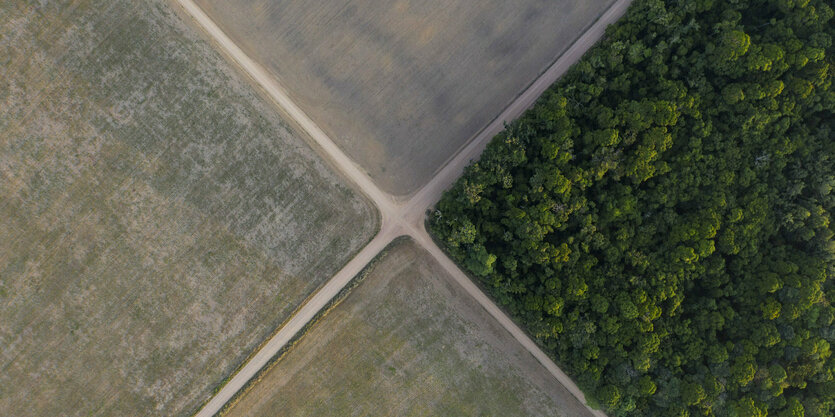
401, 85
407, 341
157, 219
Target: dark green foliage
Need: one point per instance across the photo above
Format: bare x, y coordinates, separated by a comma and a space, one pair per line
661, 220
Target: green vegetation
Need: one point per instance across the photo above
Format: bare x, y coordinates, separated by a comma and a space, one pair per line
661, 221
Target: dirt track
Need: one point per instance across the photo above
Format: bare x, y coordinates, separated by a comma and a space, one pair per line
404, 217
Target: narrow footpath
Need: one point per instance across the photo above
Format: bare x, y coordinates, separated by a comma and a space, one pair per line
398, 216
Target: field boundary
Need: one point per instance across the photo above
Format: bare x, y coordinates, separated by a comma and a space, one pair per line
511, 101
222, 383
335, 302
590, 401
286, 117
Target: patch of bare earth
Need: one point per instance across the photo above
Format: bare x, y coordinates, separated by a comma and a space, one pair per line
157, 220
401, 85
407, 341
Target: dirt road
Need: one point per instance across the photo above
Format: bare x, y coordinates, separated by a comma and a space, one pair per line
306, 313
403, 217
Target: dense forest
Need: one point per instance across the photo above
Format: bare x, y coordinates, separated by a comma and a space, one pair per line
661, 220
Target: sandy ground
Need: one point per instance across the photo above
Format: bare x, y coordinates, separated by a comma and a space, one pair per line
402, 85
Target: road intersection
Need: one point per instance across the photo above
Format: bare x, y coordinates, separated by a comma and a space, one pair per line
398, 215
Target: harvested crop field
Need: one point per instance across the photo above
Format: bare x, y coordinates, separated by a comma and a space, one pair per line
402, 85
407, 341
157, 220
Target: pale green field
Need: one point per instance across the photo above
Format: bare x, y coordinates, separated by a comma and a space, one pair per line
157, 219
407, 341
401, 85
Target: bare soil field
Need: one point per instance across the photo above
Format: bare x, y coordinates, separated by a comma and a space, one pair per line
157, 219
402, 85
407, 341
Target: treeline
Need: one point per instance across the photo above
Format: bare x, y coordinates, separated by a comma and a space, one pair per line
662, 219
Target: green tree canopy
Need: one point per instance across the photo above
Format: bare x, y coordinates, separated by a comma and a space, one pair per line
661, 220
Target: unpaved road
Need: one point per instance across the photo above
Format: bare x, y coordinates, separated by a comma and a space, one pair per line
404, 217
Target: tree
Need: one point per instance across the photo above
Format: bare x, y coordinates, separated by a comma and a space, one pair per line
692, 393
609, 396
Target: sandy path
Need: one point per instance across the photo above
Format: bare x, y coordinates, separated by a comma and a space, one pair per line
306, 313
397, 217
